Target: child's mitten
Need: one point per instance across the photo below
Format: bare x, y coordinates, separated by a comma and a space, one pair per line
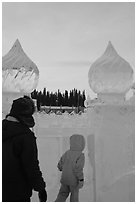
81, 183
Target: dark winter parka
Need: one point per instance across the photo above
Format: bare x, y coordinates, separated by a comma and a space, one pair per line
20, 166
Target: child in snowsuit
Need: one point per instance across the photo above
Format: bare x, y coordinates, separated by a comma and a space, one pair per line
71, 164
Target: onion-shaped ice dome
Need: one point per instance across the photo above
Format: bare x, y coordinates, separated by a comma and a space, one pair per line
19, 73
110, 73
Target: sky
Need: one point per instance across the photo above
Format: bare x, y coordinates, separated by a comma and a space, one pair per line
64, 38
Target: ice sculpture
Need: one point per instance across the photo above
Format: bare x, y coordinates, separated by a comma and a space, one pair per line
110, 73
112, 129
19, 73
133, 88
19, 76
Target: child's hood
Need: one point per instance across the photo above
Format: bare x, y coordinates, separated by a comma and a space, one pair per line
77, 142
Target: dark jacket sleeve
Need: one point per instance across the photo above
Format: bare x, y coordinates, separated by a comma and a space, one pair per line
29, 157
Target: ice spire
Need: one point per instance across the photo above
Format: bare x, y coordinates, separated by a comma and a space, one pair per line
110, 50
110, 73
19, 72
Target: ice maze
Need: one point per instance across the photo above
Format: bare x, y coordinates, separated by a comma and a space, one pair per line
108, 125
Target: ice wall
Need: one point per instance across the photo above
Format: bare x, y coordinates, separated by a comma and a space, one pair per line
110, 151
113, 135
112, 128
53, 134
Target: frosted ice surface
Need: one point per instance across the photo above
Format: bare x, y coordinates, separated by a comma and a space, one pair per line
110, 73
52, 132
109, 151
19, 73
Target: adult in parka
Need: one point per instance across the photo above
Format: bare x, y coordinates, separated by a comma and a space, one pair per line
20, 166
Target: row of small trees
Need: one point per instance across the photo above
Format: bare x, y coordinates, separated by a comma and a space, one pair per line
73, 98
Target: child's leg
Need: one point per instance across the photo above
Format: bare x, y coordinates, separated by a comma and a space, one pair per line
74, 194
63, 193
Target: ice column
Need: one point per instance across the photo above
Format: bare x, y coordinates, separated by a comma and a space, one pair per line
112, 129
19, 76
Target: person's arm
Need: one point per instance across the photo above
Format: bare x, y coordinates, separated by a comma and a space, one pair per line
30, 163
61, 162
78, 169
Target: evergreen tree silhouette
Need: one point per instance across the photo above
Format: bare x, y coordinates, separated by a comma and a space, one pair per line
73, 98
